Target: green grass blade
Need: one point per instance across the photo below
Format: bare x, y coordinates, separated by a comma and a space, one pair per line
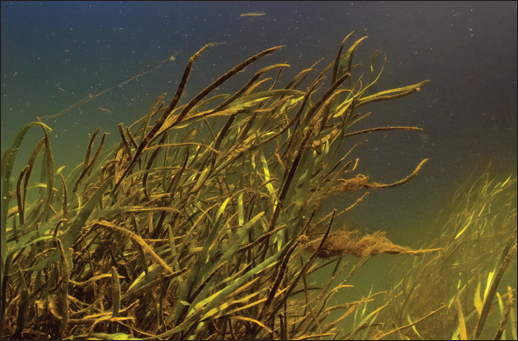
7, 169
70, 235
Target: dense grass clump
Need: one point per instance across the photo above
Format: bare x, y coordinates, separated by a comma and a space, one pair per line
204, 221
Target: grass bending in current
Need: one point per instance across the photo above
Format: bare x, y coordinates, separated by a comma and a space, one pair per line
193, 228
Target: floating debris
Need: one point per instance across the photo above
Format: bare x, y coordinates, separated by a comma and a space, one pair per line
252, 14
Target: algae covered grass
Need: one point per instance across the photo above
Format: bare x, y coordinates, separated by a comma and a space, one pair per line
189, 228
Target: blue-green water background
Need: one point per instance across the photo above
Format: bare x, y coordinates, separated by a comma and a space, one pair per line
55, 54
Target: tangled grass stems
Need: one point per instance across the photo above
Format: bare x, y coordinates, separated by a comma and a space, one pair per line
479, 242
183, 230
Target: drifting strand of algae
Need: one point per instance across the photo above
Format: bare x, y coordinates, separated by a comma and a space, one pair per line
341, 242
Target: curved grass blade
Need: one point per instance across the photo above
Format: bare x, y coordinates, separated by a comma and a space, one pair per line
7, 169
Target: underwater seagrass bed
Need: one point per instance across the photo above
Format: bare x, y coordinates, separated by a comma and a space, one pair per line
189, 228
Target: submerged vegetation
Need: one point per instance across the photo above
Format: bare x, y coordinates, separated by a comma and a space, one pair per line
479, 241
206, 219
